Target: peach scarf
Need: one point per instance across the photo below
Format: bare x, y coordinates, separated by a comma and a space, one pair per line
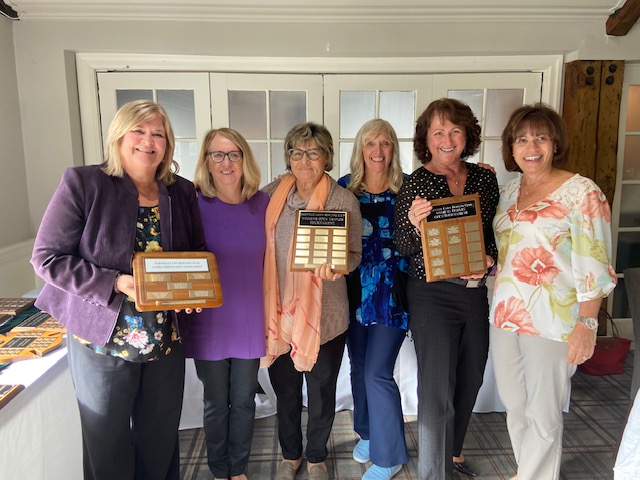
294, 325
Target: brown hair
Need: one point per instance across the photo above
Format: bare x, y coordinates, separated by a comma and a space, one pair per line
305, 132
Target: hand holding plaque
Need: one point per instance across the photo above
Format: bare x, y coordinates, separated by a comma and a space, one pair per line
452, 238
321, 236
176, 280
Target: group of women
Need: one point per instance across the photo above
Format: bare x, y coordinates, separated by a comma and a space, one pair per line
548, 233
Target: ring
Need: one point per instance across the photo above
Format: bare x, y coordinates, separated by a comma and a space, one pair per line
414, 214
585, 358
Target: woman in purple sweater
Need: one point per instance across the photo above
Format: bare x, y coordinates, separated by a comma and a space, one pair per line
227, 342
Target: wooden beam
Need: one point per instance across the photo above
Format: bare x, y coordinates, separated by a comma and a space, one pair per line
620, 22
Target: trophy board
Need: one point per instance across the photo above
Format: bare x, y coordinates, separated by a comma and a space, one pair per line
39, 321
25, 345
452, 238
7, 392
176, 280
13, 306
321, 236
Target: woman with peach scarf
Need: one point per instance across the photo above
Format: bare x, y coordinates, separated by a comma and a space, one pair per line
307, 313
553, 231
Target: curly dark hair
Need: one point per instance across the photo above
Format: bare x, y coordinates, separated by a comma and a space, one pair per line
456, 112
537, 118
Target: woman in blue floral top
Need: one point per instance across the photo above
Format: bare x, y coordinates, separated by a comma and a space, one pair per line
378, 323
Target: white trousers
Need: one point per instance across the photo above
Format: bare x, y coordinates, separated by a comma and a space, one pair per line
533, 381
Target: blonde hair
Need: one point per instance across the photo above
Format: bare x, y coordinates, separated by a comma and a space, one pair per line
129, 116
368, 131
250, 171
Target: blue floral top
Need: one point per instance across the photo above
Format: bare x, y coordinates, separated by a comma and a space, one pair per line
141, 336
370, 286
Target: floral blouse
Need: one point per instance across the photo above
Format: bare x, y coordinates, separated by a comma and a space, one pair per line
551, 256
141, 336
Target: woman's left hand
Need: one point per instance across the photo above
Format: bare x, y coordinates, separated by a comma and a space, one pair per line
324, 272
581, 344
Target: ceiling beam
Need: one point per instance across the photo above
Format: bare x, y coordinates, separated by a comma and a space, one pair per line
620, 22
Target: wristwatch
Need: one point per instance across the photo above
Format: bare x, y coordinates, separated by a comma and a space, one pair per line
590, 322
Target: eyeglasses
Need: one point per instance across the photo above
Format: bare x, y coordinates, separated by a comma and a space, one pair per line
218, 157
312, 154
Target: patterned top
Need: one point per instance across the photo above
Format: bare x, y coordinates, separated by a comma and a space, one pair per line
370, 285
552, 255
431, 186
141, 336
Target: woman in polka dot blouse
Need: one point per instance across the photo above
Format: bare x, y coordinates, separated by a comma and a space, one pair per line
449, 318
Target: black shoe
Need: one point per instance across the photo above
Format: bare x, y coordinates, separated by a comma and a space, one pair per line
464, 467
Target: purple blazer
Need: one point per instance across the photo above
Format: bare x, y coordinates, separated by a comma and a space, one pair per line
86, 238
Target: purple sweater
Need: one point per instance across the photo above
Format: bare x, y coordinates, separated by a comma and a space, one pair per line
235, 235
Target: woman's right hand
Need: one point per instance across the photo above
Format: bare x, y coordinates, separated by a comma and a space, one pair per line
419, 210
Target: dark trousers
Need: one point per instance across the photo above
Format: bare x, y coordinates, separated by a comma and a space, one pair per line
321, 395
377, 409
450, 328
129, 413
230, 387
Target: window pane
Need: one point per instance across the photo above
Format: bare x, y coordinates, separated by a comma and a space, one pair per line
473, 98
278, 165
406, 157
398, 108
248, 113
186, 154
493, 156
630, 206
355, 109
500, 106
620, 301
180, 107
286, 110
631, 169
126, 96
259, 150
633, 109
345, 157
628, 250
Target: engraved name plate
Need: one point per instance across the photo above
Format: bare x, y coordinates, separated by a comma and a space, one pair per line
24, 345
321, 236
176, 280
452, 238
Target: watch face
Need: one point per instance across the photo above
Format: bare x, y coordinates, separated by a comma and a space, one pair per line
590, 322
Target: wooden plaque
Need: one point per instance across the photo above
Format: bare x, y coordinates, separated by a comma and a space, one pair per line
176, 280
452, 238
7, 392
13, 306
25, 345
39, 321
321, 236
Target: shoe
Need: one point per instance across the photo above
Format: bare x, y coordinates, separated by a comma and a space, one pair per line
374, 472
464, 467
361, 451
287, 470
317, 471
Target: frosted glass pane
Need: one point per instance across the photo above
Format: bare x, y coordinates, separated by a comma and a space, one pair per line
259, 150
398, 108
126, 96
355, 109
630, 206
406, 157
248, 113
500, 106
180, 106
628, 250
186, 154
633, 109
620, 301
278, 166
493, 156
631, 165
346, 148
286, 110
473, 98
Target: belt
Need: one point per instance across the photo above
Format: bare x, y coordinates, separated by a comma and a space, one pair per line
474, 283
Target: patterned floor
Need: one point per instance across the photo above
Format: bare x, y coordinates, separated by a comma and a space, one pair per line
592, 431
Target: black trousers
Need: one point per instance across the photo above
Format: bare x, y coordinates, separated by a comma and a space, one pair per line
321, 394
450, 328
129, 413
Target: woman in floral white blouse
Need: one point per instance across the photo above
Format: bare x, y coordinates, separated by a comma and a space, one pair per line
553, 232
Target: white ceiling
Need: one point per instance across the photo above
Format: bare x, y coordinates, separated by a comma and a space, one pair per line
319, 11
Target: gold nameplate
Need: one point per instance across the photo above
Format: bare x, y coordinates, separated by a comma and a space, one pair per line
24, 345
321, 236
176, 280
452, 238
